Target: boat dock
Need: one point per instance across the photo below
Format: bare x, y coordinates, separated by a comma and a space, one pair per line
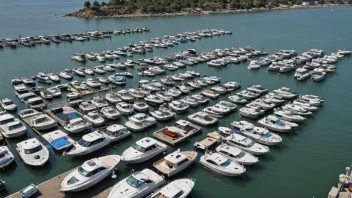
212, 139
344, 187
51, 188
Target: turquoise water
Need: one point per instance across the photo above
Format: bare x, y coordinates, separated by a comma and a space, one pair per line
305, 165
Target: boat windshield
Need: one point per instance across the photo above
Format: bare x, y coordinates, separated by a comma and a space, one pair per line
7, 121
138, 148
133, 182
37, 102
8, 103
226, 163
33, 150
15, 126
84, 143
279, 123
267, 135
241, 154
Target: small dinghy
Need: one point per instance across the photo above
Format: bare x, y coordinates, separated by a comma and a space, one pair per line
28, 191
110, 113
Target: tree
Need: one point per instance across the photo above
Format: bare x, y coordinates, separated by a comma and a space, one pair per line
96, 4
175, 6
103, 3
87, 4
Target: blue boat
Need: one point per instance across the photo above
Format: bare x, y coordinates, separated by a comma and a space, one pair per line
118, 80
59, 140
41, 77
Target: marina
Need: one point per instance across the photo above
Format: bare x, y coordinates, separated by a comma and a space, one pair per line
314, 121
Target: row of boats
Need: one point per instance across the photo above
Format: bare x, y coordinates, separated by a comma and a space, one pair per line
147, 46
32, 41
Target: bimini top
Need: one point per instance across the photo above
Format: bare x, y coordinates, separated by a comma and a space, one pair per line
92, 136
146, 142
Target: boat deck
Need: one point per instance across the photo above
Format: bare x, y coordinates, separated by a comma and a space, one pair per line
178, 138
212, 139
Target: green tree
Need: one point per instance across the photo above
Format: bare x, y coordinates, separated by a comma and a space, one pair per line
96, 4
103, 3
175, 6
87, 4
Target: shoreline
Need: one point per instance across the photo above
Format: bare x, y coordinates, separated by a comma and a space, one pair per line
89, 15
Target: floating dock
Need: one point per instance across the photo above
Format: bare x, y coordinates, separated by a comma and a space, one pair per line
212, 139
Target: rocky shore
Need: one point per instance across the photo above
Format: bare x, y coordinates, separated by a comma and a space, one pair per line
110, 13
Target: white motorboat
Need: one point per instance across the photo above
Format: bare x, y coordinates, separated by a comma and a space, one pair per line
285, 93
143, 150
138, 93
53, 77
253, 65
6, 157
174, 92
45, 94
99, 102
200, 98
95, 118
43, 78
102, 80
140, 106
216, 63
99, 69
55, 92
87, 106
250, 112
28, 81
180, 188
258, 134
115, 132
89, 173
192, 102
301, 74
167, 81
249, 95
274, 98
314, 100
164, 96
110, 113
264, 103
210, 94
175, 162
245, 143
228, 105
32, 152
183, 89
257, 89
124, 108
73, 95
170, 67
236, 154
78, 72
221, 164
237, 99
305, 104
146, 73
138, 184
163, 114
139, 122
274, 123
20, 88
288, 116
8, 105
36, 103
26, 113
77, 125
219, 89
297, 109
231, 85
202, 118
43, 122
125, 95
89, 143
153, 99
11, 127
93, 83
201, 83
112, 98
178, 106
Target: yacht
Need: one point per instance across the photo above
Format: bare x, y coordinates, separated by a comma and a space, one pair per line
264, 103
99, 102
236, 154
314, 100
228, 105
153, 99
43, 78
257, 89
99, 69
26, 113
231, 85
174, 92
297, 109
210, 94
253, 65
164, 96
249, 95
178, 106
110, 113
274, 98
115, 132
237, 99
124, 108
301, 74
274, 123
175, 162
95, 118
77, 125
43, 122
219, 89
221, 164
6, 157
93, 83
202, 118
192, 102
288, 116
143, 150
55, 92
258, 134
53, 77
8, 105
179, 188
32, 152
163, 114
87, 106
36, 103
250, 112
245, 143
78, 72
89, 143
200, 98
139, 122
140, 106
305, 104
285, 93
125, 95
90, 173
20, 88
112, 98
138, 184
